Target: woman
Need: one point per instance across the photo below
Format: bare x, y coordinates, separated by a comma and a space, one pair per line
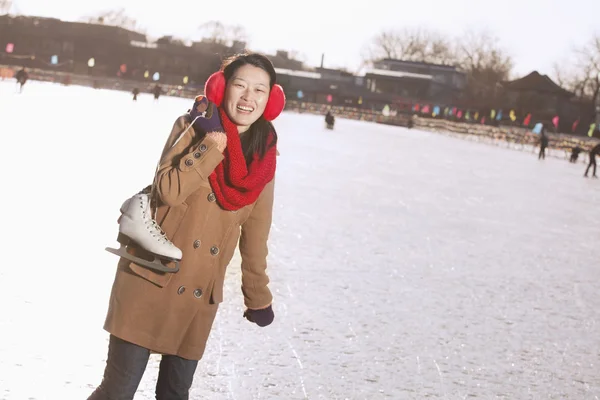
215, 185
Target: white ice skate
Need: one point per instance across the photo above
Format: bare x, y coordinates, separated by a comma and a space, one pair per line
136, 225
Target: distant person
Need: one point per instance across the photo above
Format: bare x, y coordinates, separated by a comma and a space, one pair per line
575, 154
135, 92
22, 77
593, 153
329, 120
157, 91
543, 144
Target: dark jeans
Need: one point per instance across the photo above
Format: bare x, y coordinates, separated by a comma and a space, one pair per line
125, 367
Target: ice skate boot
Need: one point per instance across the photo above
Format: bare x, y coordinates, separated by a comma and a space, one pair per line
137, 227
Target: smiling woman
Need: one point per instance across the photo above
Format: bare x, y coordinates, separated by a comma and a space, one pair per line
247, 94
213, 188
250, 84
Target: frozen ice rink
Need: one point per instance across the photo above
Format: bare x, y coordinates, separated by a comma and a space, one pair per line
404, 264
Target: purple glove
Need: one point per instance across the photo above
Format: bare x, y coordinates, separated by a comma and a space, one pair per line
262, 317
208, 114
207, 119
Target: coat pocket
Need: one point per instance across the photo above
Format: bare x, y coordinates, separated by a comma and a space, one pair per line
169, 219
160, 279
216, 292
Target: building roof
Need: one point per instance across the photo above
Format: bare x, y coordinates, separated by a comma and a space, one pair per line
303, 74
420, 63
398, 74
536, 82
59, 27
331, 71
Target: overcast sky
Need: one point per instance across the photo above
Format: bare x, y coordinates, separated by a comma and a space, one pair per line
537, 33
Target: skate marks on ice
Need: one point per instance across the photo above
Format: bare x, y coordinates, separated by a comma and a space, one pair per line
243, 361
478, 276
404, 264
301, 373
289, 342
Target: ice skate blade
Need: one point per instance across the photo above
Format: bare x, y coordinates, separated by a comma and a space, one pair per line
155, 265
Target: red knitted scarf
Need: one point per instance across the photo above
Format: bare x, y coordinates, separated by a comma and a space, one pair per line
234, 184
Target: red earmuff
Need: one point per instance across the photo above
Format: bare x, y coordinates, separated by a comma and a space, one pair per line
214, 90
276, 103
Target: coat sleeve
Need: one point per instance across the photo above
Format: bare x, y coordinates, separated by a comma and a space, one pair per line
254, 250
186, 164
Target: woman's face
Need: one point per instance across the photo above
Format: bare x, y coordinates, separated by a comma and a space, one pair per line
246, 96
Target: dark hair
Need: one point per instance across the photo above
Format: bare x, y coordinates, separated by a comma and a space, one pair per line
254, 140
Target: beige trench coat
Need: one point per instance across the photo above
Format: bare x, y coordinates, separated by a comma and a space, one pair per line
172, 313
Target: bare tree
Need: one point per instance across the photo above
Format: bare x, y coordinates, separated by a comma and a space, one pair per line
171, 40
214, 32
561, 75
386, 44
5, 6
218, 33
237, 33
478, 54
115, 18
568, 78
485, 63
411, 45
583, 78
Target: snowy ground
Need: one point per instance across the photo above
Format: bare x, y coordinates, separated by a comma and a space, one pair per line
405, 264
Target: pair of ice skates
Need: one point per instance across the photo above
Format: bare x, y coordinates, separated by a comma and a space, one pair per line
137, 226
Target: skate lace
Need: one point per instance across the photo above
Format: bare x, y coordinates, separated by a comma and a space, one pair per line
155, 229
159, 231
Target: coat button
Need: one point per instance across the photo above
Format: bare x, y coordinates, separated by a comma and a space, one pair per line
196, 243
214, 250
189, 162
212, 198
198, 293
181, 290
197, 154
203, 148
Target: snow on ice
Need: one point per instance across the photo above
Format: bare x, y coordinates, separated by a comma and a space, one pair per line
405, 264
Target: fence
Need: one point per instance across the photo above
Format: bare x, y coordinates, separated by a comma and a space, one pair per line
516, 138
359, 114
97, 82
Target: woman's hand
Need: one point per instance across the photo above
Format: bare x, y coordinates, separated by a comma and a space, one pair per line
262, 317
206, 117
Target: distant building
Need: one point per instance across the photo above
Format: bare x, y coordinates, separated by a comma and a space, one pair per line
543, 98
416, 80
537, 93
328, 86
282, 59
108, 51
36, 40
117, 52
